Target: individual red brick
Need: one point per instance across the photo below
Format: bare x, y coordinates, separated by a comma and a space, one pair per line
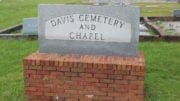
90, 65
43, 89
140, 83
42, 62
137, 73
76, 87
99, 93
80, 64
138, 68
64, 78
51, 63
111, 67
30, 89
91, 80
78, 79
128, 67
103, 98
85, 92
35, 67
26, 76
40, 72
121, 82
104, 66
104, 71
66, 64
109, 89
71, 91
114, 94
36, 76
116, 77
60, 64
103, 85
70, 74
47, 63
142, 68
130, 77
140, 97
122, 98
71, 99
100, 76
63, 69
122, 89
25, 62
133, 86
26, 67
119, 67
85, 99
85, 65
123, 67
57, 74
38, 63
106, 81
86, 75
85, 83
56, 63
49, 68
49, 94
141, 78
122, 72
30, 72
36, 93
33, 62
91, 88
78, 69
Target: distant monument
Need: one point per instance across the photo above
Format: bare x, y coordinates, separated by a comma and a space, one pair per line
100, 2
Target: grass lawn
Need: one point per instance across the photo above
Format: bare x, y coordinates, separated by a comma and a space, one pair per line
162, 74
158, 9
13, 11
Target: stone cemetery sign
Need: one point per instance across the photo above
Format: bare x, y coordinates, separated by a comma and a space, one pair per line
87, 29
30, 26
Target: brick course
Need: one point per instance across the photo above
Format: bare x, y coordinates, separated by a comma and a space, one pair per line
52, 77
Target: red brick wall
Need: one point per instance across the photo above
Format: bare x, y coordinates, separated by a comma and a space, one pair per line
50, 77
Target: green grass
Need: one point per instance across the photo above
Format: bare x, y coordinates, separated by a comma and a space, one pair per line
11, 75
158, 9
162, 74
13, 11
163, 71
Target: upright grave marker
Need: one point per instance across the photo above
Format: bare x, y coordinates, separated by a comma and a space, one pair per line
85, 29
176, 13
30, 26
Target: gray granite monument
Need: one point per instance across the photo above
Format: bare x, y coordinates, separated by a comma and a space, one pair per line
89, 29
176, 13
30, 26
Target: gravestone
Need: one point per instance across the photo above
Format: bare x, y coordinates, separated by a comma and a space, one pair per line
30, 26
176, 13
86, 29
111, 2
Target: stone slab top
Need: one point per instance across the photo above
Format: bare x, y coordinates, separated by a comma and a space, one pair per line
82, 33
57, 59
